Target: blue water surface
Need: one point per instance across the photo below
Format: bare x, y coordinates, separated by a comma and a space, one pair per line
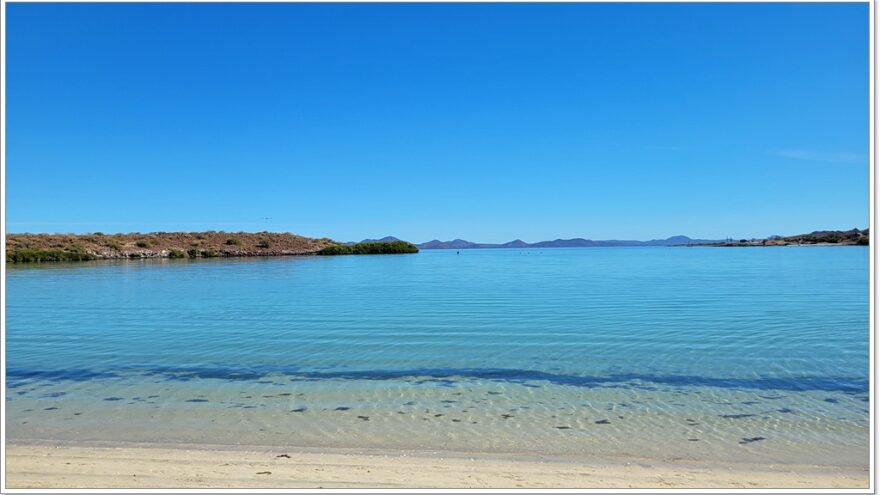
763, 318
664, 353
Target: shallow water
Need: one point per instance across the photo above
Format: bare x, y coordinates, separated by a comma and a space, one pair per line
670, 353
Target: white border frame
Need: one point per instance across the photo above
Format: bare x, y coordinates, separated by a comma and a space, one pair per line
872, 267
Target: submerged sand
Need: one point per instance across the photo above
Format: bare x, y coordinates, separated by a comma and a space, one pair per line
49, 466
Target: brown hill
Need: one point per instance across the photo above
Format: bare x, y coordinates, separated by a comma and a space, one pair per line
60, 247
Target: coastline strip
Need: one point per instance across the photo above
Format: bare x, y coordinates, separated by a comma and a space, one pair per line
42, 466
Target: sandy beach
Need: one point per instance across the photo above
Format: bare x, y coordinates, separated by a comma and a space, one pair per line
41, 466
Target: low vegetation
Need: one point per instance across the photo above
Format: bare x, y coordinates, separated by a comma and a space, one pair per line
394, 247
854, 237
36, 255
34, 248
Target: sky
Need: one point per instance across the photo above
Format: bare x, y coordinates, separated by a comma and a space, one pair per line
487, 122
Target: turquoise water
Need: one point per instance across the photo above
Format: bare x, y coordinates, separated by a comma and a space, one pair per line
654, 352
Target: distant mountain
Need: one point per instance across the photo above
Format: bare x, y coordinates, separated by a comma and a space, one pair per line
558, 243
387, 238
515, 244
854, 236
438, 244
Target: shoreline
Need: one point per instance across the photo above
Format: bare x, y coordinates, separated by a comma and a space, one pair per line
747, 245
37, 248
42, 464
54, 248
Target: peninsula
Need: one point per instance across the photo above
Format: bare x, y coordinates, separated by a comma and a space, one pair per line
854, 237
30, 248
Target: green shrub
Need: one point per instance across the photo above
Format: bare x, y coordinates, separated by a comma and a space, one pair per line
144, 244
32, 255
264, 244
336, 249
209, 253
193, 253
233, 242
176, 254
394, 247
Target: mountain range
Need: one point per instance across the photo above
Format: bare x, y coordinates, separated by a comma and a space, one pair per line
576, 242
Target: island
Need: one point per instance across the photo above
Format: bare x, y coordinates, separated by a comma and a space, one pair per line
35, 248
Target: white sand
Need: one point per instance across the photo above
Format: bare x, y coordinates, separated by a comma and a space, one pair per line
39, 466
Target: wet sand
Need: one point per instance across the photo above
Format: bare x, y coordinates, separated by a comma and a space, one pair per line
66, 466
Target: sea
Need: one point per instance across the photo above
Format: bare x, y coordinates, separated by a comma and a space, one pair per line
704, 354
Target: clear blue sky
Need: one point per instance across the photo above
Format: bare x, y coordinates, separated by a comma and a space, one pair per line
481, 121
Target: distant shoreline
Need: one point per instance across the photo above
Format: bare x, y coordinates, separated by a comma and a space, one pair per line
831, 237
817, 244
35, 248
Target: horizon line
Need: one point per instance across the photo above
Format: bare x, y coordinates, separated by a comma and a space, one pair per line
437, 239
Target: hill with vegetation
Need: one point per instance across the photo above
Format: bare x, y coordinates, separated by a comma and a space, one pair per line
24, 248
854, 237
